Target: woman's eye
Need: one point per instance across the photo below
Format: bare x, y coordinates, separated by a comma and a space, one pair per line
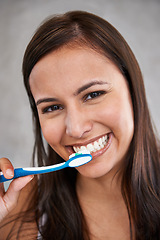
52, 108
94, 95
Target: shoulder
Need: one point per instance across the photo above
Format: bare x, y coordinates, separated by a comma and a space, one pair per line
22, 218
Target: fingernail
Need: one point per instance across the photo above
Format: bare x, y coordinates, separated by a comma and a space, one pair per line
31, 177
9, 172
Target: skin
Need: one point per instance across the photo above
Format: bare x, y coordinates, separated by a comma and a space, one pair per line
9, 199
81, 96
92, 100
60, 75
13, 200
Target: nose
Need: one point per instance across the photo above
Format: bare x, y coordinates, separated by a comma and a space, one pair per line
78, 123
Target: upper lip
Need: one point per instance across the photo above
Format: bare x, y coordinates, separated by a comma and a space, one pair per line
86, 142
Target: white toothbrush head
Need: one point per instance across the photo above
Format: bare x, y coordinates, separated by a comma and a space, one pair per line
79, 158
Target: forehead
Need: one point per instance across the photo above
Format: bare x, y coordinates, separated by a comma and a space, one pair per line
69, 67
66, 55
69, 58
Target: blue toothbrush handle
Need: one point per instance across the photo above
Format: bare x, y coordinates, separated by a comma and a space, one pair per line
74, 161
18, 172
21, 172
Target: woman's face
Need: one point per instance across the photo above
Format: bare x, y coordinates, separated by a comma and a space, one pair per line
83, 102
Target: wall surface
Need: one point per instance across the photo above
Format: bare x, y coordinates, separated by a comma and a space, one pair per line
138, 21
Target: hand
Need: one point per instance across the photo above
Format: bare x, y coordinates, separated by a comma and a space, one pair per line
9, 199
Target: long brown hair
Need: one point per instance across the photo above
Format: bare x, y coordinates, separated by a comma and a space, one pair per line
141, 182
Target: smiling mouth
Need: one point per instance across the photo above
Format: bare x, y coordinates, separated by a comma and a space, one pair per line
95, 146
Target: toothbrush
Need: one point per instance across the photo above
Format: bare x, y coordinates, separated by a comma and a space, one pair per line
75, 160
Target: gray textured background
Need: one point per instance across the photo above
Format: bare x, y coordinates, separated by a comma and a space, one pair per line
138, 21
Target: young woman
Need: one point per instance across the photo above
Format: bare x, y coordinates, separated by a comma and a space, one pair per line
86, 92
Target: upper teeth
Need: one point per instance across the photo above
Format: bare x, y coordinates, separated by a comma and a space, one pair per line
93, 147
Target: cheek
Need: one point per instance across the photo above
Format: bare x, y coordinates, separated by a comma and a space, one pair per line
117, 115
109, 114
52, 131
123, 123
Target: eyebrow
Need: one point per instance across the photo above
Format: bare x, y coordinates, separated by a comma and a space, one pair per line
43, 100
88, 85
78, 91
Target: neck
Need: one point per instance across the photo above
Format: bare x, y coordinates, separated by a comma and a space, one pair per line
106, 187
103, 207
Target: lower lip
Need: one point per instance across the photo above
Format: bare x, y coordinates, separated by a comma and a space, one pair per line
101, 151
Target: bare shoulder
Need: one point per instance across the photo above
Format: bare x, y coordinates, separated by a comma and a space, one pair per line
22, 218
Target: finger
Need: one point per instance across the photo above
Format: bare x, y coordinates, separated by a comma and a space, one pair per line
7, 168
2, 191
11, 197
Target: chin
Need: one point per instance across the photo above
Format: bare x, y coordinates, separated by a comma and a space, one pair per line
94, 171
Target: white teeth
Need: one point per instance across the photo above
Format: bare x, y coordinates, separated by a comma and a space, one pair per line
102, 145
80, 152
90, 147
100, 141
97, 145
82, 148
76, 149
